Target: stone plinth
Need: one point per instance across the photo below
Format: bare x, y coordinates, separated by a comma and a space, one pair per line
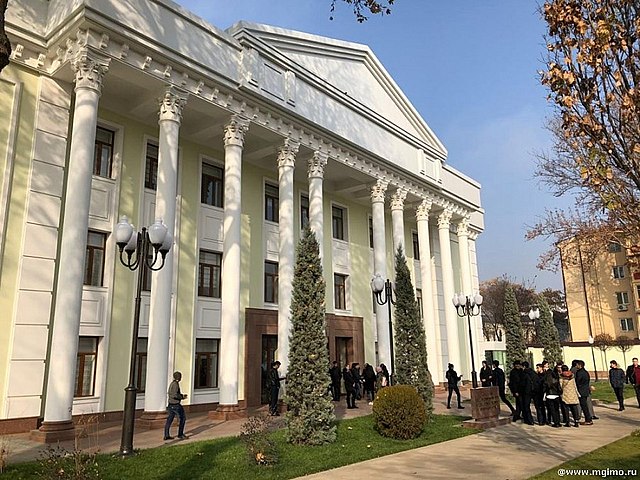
152, 420
485, 409
227, 412
53, 432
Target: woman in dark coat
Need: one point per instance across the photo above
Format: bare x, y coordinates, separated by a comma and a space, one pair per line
349, 386
369, 381
617, 380
485, 374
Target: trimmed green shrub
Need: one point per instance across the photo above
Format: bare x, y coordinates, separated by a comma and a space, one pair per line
399, 412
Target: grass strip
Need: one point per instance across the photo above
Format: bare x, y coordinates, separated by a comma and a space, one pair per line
226, 458
623, 454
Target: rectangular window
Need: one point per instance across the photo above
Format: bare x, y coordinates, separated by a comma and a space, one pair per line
419, 300
614, 247
618, 271
86, 367
626, 324
271, 282
209, 274
339, 291
141, 364
212, 185
271, 203
103, 152
206, 363
151, 167
623, 300
304, 211
94, 259
370, 232
338, 216
416, 246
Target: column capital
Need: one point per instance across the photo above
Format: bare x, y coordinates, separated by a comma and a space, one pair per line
444, 219
463, 227
317, 163
90, 68
235, 130
473, 235
287, 153
171, 104
398, 198
422, 210
378, 191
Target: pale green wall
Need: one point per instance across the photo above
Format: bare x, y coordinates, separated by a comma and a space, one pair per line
19, 190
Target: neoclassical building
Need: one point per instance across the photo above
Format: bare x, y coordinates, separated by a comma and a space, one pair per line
236, 139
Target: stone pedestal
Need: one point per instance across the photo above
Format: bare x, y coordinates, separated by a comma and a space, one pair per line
485, 409
152, 420
227, 412
53, 432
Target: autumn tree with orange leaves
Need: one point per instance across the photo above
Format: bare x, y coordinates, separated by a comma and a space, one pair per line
592, 72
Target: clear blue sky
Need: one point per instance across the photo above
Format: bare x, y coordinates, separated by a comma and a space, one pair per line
470, 69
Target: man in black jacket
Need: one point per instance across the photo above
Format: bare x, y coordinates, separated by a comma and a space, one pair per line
552, 390
538, 395
526, 392
349, 386
274, 388
336, 376
452, 382
582, 382
633, 377
497, 379
515, 381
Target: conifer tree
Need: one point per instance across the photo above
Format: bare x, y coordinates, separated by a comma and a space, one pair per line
410, 339
310, 417
548, 334
516, 347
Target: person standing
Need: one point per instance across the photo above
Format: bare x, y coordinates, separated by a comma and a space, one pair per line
538, 395
369, 382
633, 377
174, 407
485, 374
357, 379
617, 381
526, 392
569, 396
552, 391
452, 382
274, 388
498, 380
515, 380
582, 382
336, 377
349, 386
381, 379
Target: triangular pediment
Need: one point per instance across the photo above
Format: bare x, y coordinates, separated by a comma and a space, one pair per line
353, 70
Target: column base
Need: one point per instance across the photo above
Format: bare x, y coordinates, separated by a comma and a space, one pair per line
52, 432
152, 420
227, 412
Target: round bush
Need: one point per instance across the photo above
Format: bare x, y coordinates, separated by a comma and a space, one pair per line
399, 412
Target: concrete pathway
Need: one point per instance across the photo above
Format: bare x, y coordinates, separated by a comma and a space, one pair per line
490, 454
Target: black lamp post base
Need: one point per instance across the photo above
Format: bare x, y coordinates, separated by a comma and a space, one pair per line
126, 445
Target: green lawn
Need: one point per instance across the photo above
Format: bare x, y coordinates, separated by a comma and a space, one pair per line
604, 392
225, 458
621, 455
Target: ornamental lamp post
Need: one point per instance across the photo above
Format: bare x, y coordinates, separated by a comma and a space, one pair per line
593, 356
469, 306
534, 314
378, 285
137, 247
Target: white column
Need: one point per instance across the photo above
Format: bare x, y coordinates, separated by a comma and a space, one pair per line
397, 221
476, 322
170, 115
450, 315
286, 251
317, 163
431, 323
90, 69
230, 313
467, 285
380, 267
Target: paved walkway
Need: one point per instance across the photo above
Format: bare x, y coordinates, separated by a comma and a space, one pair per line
490, 454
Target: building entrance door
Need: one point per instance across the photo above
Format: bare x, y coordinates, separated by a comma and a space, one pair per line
344, 351
269, 346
